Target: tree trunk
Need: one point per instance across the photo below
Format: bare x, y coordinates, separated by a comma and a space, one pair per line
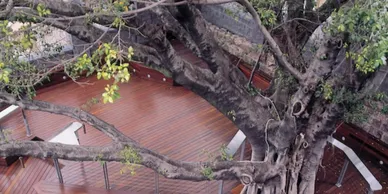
299, 176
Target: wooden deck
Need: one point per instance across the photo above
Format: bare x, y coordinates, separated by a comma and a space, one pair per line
353, 182
171, 120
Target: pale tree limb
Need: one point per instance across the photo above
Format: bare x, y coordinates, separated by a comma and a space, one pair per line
75, 113
195, 2
8, 9
60, 7
321, 124
173, 169
320, 68
71, 10
101, 16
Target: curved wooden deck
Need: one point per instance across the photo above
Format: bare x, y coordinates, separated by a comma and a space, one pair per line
171, 120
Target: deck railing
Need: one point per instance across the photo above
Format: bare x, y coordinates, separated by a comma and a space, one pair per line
374, 185
237, 142
12, 108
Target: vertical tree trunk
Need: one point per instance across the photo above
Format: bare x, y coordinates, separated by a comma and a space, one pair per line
313, 158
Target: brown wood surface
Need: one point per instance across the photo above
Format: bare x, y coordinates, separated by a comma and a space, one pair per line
258, 81
362, 142
43, 187
144, 72
353, 182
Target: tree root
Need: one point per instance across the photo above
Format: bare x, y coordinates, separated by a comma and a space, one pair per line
266, 138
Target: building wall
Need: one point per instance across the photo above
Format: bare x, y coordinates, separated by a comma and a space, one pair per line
232, 17
242, 48
377, 123
383, 76
50, 36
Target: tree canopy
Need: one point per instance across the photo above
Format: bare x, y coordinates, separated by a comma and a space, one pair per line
326, 55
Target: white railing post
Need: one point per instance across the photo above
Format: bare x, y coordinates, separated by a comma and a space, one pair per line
156, 183
342, 174
221, 187
242, 150
106, 178
370, 191
59, 173
28, 131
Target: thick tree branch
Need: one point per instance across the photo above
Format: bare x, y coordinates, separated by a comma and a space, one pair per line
211, 52
177, 30
8, 9
60, 7
248, 114
196, 2
321, 65
321, 124
194, 171
75, 113
198, 30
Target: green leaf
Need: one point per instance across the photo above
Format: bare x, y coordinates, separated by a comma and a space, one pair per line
6, 79
341, 28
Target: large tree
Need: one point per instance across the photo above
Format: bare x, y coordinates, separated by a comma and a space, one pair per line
326, 59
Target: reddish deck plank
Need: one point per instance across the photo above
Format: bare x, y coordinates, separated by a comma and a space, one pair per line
56, 188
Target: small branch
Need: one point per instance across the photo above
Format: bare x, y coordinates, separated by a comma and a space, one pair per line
294, 19
266, 139
257, 66
272, 43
